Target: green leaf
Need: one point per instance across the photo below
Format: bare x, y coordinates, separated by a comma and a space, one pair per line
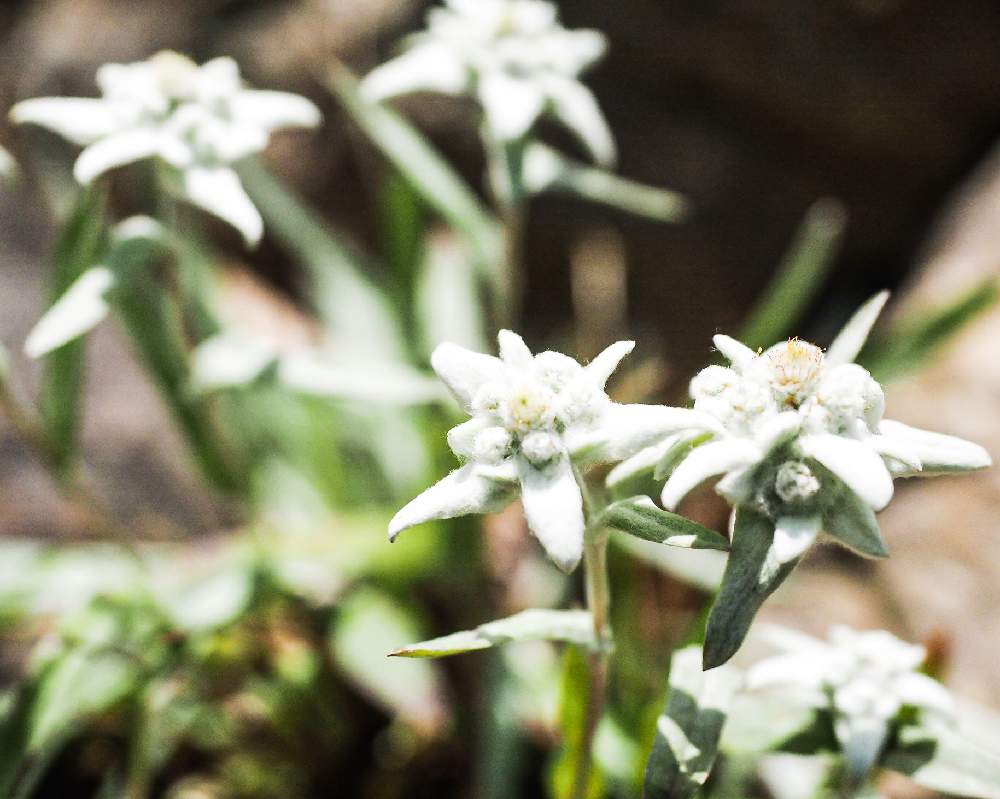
639, 516
687, 734
914, 340
800, 275
78, 248
546, 170
572, 626
426, 171
574, 717
153, 322
848, 518
742, 593
357, 315
367, 625
851, 339
942, 759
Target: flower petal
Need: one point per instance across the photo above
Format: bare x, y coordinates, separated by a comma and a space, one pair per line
218, 190
462, 492
793, 535
272, 110
81, 308
736, 352
708, 460
427, 67
919, 690
644, 460
553, 507
81, 120
852, 337
604, 365
511, 105
857, 464
861, 741
513, 351
782, 671
902, 458
575, 106
465, 371
938, 453
626, 429
114, 151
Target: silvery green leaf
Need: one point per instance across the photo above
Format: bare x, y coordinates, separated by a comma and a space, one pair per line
687, 734
229, 359
942, 759
626, 429
510, 104
606, 362
938, 453
548, 170
678, 449
9, 170
465, 491
862, 739
702, 568
575, 106
640, 517
81, 308
793, 535
209, 600
465, 371
314, 373
430, 66
852, 337
736, 352
765, 721
447, 302
850, 520
643, 462
742, 592
571, 626
272, 110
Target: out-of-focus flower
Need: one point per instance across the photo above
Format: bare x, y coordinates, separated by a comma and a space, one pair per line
863, 678
800, 438
535, 419
514, 57
197, 120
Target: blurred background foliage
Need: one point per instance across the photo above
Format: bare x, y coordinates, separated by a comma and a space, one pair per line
196, 590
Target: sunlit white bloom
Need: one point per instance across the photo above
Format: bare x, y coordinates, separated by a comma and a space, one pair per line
535, 420
801, 438
8, 166
197, 120
514, 57
864, 679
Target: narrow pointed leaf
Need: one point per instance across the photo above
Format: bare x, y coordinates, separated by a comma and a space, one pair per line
571, 626
800, 276
410, 153
78, 248
849, 519
687, 734
742, 592
546, 170
639, 516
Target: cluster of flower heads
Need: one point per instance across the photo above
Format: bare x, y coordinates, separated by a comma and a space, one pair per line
864, 679
197, 120
535, 420
798, 435
514, 57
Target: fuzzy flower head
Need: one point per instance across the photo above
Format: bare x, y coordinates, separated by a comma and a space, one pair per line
864, 679
514, 57
196, 120
801, 439
535, 420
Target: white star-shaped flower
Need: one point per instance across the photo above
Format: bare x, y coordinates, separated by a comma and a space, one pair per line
800, 438
198, 120
514, 57
863, 678
535, 419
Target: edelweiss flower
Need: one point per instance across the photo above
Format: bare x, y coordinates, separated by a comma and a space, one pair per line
800, 438
534, 419
514, 57
198, 120
863, 678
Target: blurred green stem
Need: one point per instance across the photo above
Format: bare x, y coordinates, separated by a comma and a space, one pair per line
595, 565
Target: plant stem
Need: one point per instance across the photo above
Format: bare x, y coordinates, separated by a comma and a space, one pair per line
595, 564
